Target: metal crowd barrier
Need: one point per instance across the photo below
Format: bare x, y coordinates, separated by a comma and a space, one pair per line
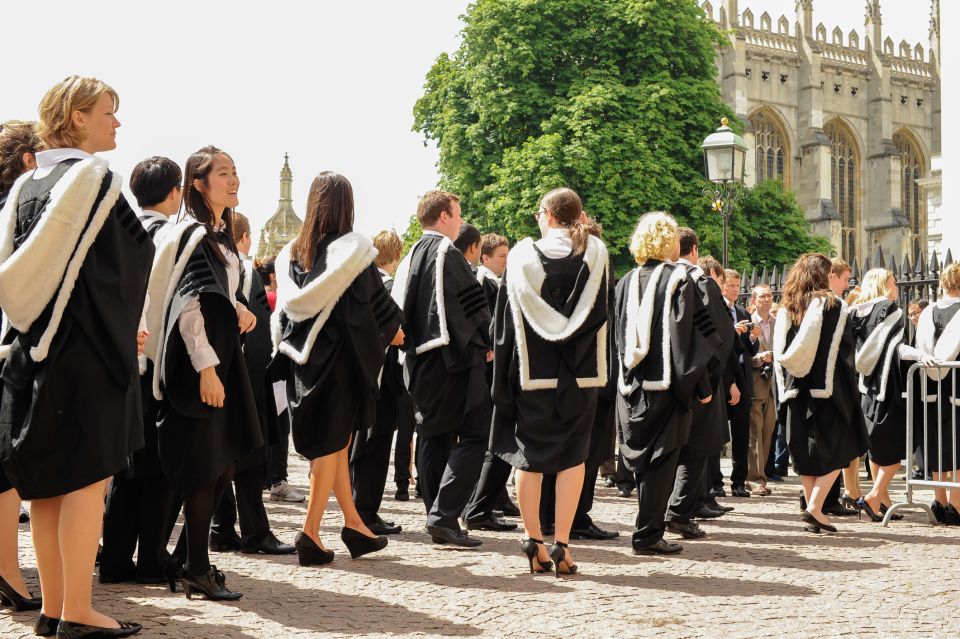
919, 382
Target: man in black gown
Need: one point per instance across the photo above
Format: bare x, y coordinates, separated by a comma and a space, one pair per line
445, 355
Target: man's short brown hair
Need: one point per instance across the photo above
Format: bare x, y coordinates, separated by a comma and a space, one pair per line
432, 204
389, 247
491, 242
56, 127
711, 267
730, 274
688, 240
839, 266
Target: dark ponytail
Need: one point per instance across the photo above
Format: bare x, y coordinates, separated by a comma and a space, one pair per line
567, 209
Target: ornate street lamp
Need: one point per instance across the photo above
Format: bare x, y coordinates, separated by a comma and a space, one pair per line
724, 157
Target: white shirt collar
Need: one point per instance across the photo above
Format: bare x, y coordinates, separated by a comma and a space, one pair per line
383, 272
150, 214
684, 260
557, 232
946, 301
432, 232
52, 157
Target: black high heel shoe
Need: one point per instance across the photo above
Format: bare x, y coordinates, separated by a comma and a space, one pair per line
813, 522
211, 584
309, 553
15, 600
883, 512
864, 506
531, 548
558, 552
849, 502
72, 630
46, 626
359, 544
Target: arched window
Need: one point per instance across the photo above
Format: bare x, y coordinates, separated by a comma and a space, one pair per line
913, 206
772, 146
844, 178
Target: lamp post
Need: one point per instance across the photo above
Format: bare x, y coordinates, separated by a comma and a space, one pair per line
724, 157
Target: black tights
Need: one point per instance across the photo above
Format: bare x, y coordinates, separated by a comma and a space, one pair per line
198, 507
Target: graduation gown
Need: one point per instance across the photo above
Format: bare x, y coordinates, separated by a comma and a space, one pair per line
447, 322
74, 262
817, 384
330, 333
878, 325
550, 356
197, 442
666, 343
938, 334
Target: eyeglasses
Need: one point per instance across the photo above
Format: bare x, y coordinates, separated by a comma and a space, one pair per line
537, 215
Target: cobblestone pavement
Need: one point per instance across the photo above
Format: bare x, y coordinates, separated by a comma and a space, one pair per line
756, 575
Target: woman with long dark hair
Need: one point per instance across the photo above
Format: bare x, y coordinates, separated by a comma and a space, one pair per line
813, 351
209, 418
550, 360
19, 145
333, 323
74, 262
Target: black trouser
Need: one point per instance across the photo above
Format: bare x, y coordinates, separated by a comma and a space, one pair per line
136, 517
600, 439
739, 439
624, 477
277, 453
449, 466
688, 487
653, 492
247, 507
369, 463
406, 424
490, 490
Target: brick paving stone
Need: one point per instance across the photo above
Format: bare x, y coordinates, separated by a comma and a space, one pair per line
758, 574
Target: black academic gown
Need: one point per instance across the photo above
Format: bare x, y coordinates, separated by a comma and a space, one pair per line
70, 413
879, 330
655, 421
545, 386
938, 334
819, 400
445, 349
333, 391
199, 442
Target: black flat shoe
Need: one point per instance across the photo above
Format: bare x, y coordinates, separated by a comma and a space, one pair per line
211, 584
71, 630
359, 544
691, 530
309, 553
379, 526
562, 565
45, 626
593, 532
15, 600
662, 547
490, 522
269, 545
531, 548
810, 520
444, 535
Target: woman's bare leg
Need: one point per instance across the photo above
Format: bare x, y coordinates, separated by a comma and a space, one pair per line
528, 500
322, 473
9, 552
45, 529
343, 491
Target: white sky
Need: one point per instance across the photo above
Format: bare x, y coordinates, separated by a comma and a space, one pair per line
331, 83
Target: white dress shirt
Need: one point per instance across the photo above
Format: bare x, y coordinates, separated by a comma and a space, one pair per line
47, 160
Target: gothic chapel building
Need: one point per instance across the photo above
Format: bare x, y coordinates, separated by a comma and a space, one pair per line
851, 124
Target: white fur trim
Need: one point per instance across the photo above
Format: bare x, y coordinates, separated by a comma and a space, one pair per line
873, 347
946, 348
248, 275
399, 292
483, 273
44, 265
164, 278
799, 358
347, 257
528, 307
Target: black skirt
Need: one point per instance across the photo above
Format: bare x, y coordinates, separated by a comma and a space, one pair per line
887, 427
72, 425
324, 414
942, 417
819, 438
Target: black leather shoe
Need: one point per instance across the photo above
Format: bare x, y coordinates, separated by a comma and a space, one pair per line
609, 482
444, 535
624, 492
71, 630
837, 510
45, 626
509, 509
402, 494
15, 600
380, 527
490, 522
593, 532
117, 579
704, 512
715, 505
309, 553
718, 492
359, 544
211, 584
269, 545
690, 530
739, 491
224, 544
662, 547
547, 529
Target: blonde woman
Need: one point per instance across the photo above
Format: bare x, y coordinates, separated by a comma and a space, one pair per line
72, 284
666, 341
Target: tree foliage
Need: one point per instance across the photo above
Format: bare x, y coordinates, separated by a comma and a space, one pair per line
609, 97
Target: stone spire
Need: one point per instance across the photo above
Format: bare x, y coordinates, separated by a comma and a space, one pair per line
804, 9
873, 24
284, 225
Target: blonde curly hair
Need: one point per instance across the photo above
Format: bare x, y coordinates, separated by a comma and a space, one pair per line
873, 285
950, 278
657, 237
